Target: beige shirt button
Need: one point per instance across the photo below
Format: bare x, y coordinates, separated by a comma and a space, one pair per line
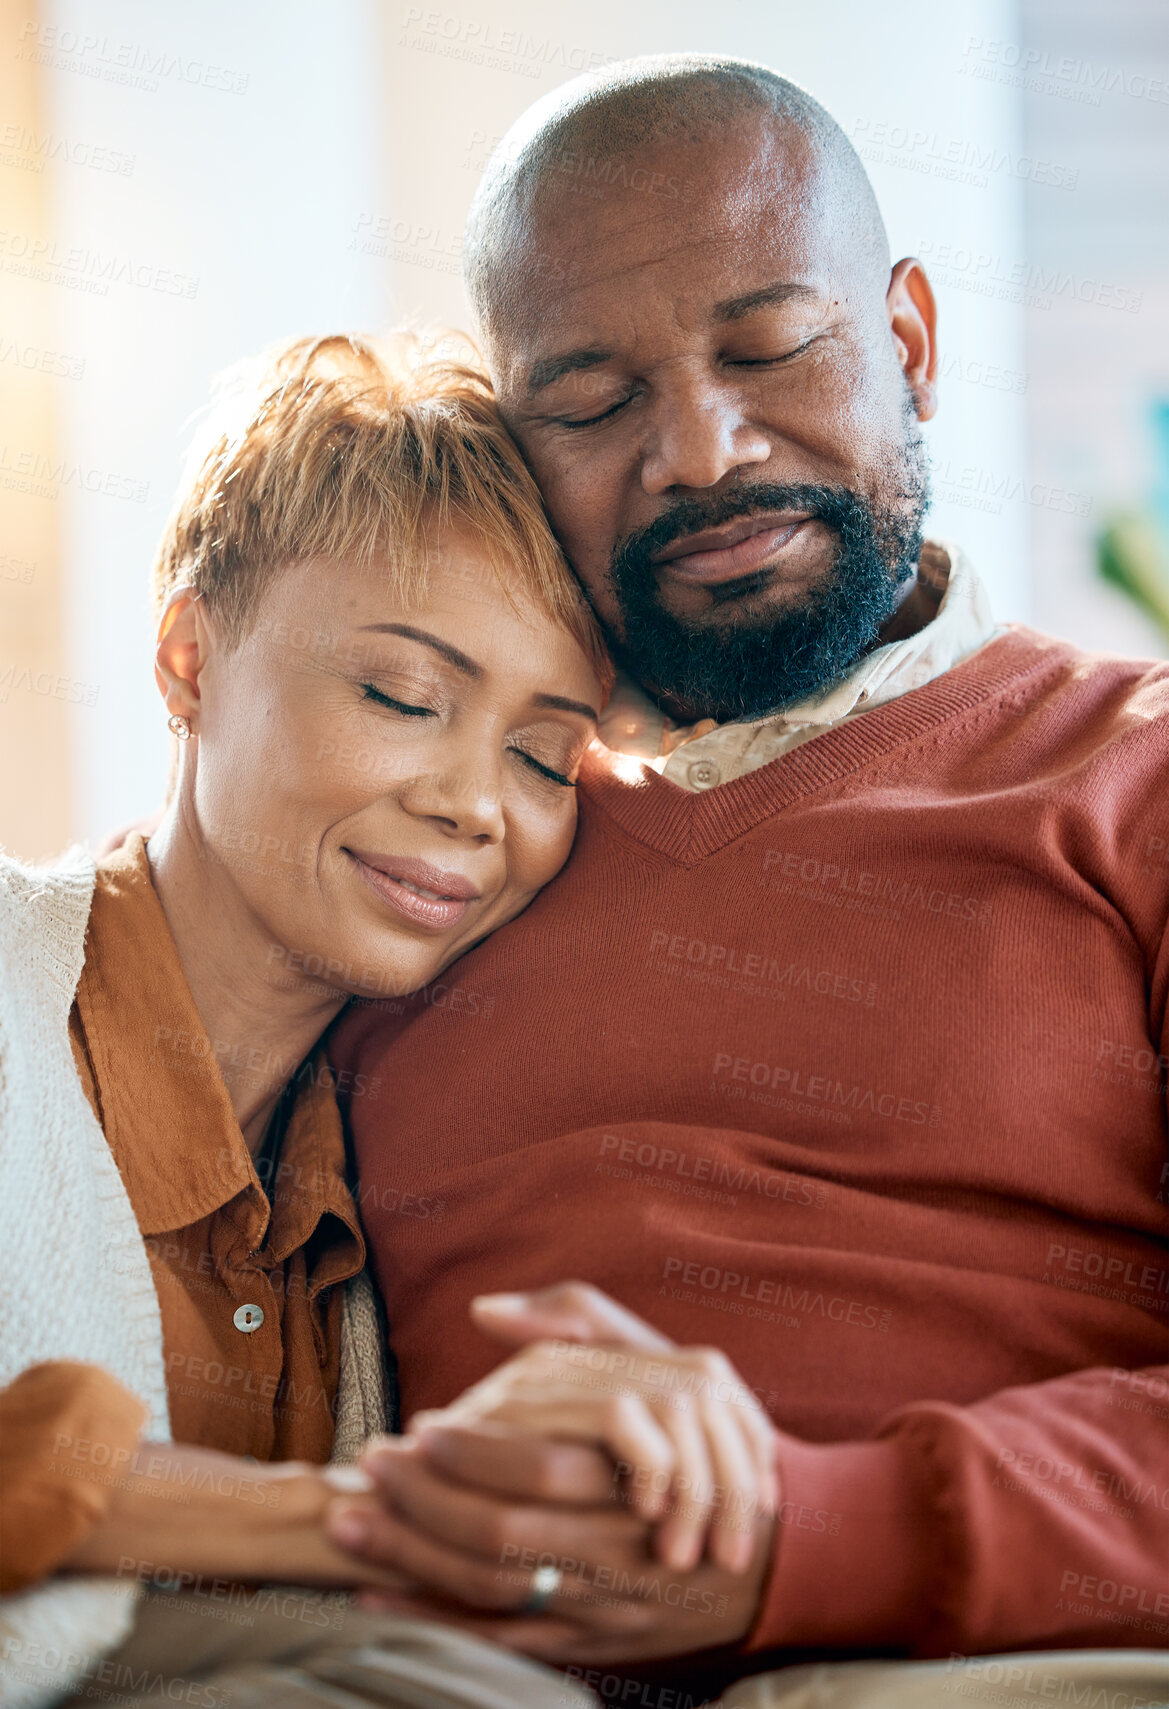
703, 774
248, 1318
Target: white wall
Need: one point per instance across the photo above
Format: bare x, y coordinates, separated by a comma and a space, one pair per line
309, 165
253, 137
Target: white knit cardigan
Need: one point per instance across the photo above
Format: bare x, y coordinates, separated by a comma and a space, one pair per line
75, 1280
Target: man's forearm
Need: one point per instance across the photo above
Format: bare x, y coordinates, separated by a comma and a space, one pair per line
1037, 1517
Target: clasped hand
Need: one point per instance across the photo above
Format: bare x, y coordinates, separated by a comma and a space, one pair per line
642, 1472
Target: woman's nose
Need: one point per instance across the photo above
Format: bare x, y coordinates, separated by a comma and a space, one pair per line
464, 800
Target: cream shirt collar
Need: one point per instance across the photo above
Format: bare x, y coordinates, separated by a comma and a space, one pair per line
703, 755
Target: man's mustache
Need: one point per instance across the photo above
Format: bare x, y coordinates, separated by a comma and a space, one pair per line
830, 505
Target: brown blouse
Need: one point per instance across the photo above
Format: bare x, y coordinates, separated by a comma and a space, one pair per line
247, 1279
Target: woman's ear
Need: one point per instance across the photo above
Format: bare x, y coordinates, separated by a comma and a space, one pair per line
180, 653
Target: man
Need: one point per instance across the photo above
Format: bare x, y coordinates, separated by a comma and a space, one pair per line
841, 1043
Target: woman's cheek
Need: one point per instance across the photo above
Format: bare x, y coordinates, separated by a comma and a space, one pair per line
549, 839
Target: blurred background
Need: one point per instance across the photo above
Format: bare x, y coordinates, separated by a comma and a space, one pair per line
180, 186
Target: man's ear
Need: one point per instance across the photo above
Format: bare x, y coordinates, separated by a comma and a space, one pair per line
180, 653
913, 321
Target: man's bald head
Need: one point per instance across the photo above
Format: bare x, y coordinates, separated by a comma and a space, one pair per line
683, 285
595, 127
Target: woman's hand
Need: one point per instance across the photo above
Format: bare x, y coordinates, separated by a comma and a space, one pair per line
693, 1448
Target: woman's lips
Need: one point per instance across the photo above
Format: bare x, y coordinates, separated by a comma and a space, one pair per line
724, 555
400, 884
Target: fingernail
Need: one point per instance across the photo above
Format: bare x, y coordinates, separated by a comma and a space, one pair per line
349, 1527
510, 1303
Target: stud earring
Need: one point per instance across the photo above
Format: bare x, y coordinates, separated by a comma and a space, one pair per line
179, 726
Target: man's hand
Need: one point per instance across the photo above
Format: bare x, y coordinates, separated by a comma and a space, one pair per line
472, 1550
511, 1478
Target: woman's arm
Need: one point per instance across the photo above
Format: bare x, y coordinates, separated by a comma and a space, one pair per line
56, 1419
79, 1492
191, 1514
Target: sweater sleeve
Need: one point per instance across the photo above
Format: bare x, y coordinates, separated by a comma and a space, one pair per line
65, 1428
1036, 1518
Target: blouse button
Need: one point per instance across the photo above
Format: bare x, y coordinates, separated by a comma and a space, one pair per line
703, 774
248, 1318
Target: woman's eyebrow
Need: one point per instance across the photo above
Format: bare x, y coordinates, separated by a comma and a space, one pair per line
451, 654
561, 703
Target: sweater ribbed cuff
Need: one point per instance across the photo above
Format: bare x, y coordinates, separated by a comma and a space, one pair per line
65, 1429
851, 1557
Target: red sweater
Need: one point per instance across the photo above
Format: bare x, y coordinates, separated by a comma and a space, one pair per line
856, 1068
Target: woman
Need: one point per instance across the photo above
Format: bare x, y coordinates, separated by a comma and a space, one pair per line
382, 679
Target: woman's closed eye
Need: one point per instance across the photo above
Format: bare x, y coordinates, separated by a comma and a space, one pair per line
382, 699
543, 770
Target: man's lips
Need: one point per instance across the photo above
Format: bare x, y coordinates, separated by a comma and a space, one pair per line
422, 893
736, 549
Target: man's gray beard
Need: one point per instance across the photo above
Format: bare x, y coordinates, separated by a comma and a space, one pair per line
739, 670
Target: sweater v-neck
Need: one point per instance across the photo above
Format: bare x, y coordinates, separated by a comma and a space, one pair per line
686, 825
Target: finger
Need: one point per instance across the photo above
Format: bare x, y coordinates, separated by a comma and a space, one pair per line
507, 1461
682, 1534
378, 1534
764, 1439
570, 1311
731, 1539
496, 1531
622, 1424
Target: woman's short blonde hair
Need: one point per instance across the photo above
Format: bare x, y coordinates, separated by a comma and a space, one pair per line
357, 448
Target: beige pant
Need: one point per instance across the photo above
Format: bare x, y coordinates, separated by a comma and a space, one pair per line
1093, 1679
294, 1649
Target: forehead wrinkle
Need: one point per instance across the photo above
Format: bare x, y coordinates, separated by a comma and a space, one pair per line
597, 329
769, 154
735, 218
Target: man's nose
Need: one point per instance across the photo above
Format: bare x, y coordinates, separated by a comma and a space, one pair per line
696, 436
